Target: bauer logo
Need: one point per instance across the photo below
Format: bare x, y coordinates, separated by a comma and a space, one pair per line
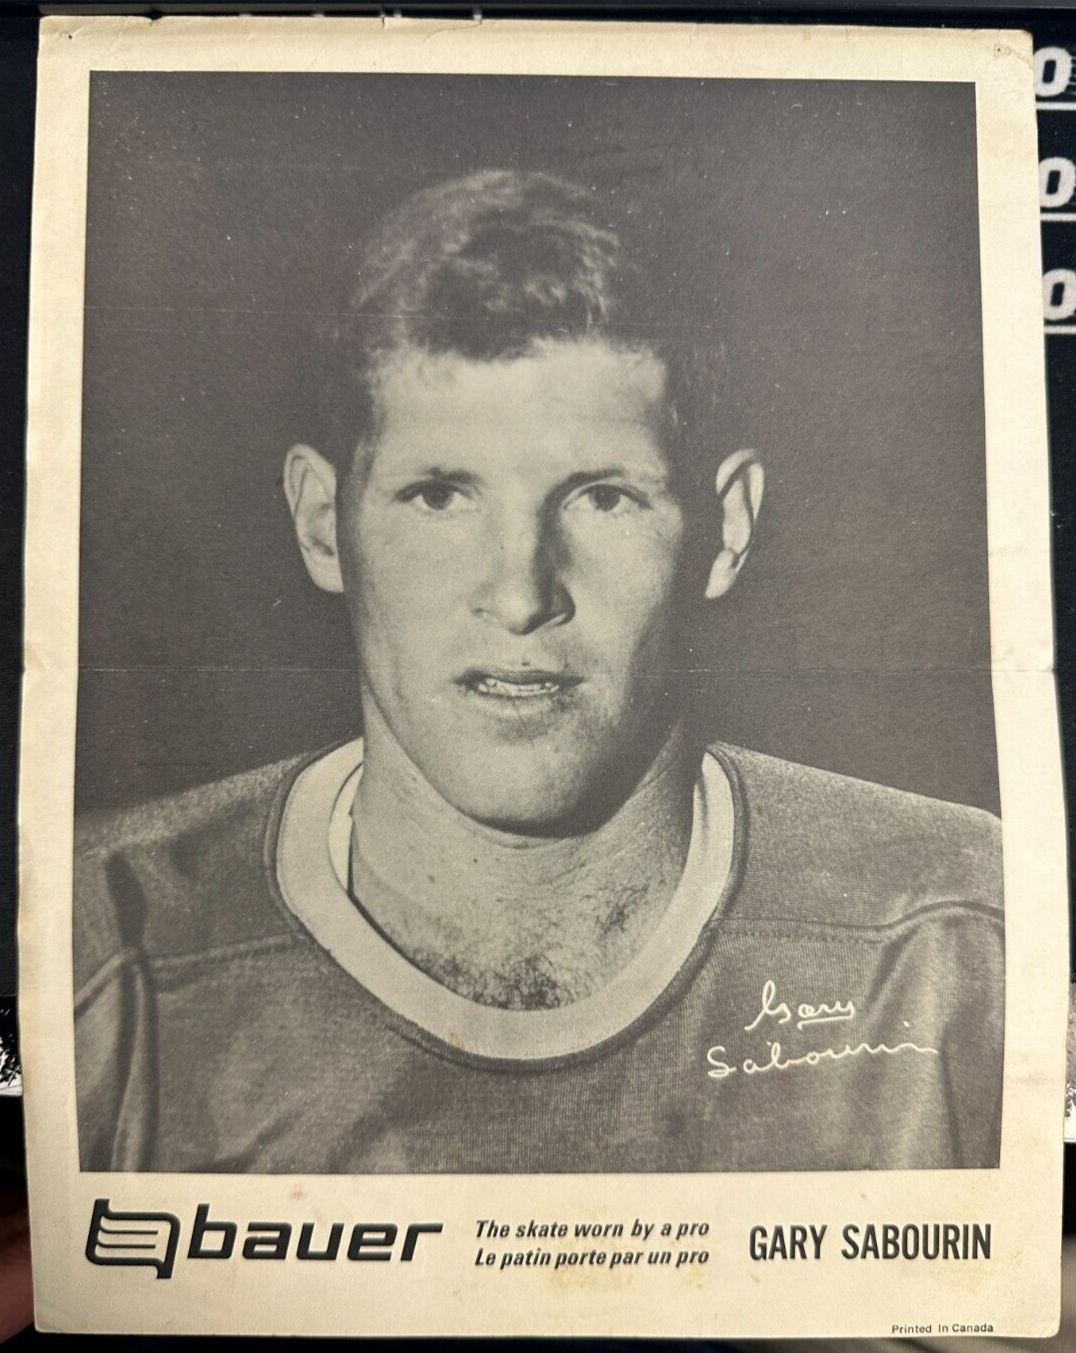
126, 1238
133, 1238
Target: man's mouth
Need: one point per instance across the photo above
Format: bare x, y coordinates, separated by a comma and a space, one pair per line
516, 684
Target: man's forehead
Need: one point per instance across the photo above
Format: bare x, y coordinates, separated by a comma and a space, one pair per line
586, 381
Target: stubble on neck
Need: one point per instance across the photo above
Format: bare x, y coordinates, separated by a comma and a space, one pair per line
513, 920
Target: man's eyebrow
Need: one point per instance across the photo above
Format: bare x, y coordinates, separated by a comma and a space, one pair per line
581, 477
440, 472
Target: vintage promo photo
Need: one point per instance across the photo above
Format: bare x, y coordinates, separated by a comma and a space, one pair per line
534, 707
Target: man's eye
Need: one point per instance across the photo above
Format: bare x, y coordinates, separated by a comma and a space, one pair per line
605, 498
434, 497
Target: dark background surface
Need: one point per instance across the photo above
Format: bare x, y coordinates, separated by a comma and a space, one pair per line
825, 233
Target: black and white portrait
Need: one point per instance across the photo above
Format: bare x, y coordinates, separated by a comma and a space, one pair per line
534, 704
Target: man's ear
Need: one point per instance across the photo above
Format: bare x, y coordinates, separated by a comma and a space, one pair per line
310, 487
739, 484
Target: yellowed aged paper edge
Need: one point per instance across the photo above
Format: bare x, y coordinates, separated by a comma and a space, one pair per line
1017, 1292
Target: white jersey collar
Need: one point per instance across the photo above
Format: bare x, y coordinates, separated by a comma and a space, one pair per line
312, 858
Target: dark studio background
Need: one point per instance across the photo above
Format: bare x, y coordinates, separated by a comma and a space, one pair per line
825, 234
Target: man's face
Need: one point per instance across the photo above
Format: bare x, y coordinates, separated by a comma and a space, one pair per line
511, 549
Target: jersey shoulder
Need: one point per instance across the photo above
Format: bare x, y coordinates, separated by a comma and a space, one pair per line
830, 849
178, 875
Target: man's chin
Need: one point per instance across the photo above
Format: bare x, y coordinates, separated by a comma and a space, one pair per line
562, 784
511, 804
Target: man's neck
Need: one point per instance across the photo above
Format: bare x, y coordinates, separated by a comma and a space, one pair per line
522, 922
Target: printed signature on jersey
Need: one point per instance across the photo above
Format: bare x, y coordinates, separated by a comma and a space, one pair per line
774, 1012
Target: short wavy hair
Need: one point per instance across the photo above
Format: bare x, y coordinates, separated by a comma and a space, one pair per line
486, 266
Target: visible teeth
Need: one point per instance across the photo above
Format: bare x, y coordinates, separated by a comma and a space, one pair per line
517, 690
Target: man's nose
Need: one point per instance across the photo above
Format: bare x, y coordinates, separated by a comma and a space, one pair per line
522, 587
